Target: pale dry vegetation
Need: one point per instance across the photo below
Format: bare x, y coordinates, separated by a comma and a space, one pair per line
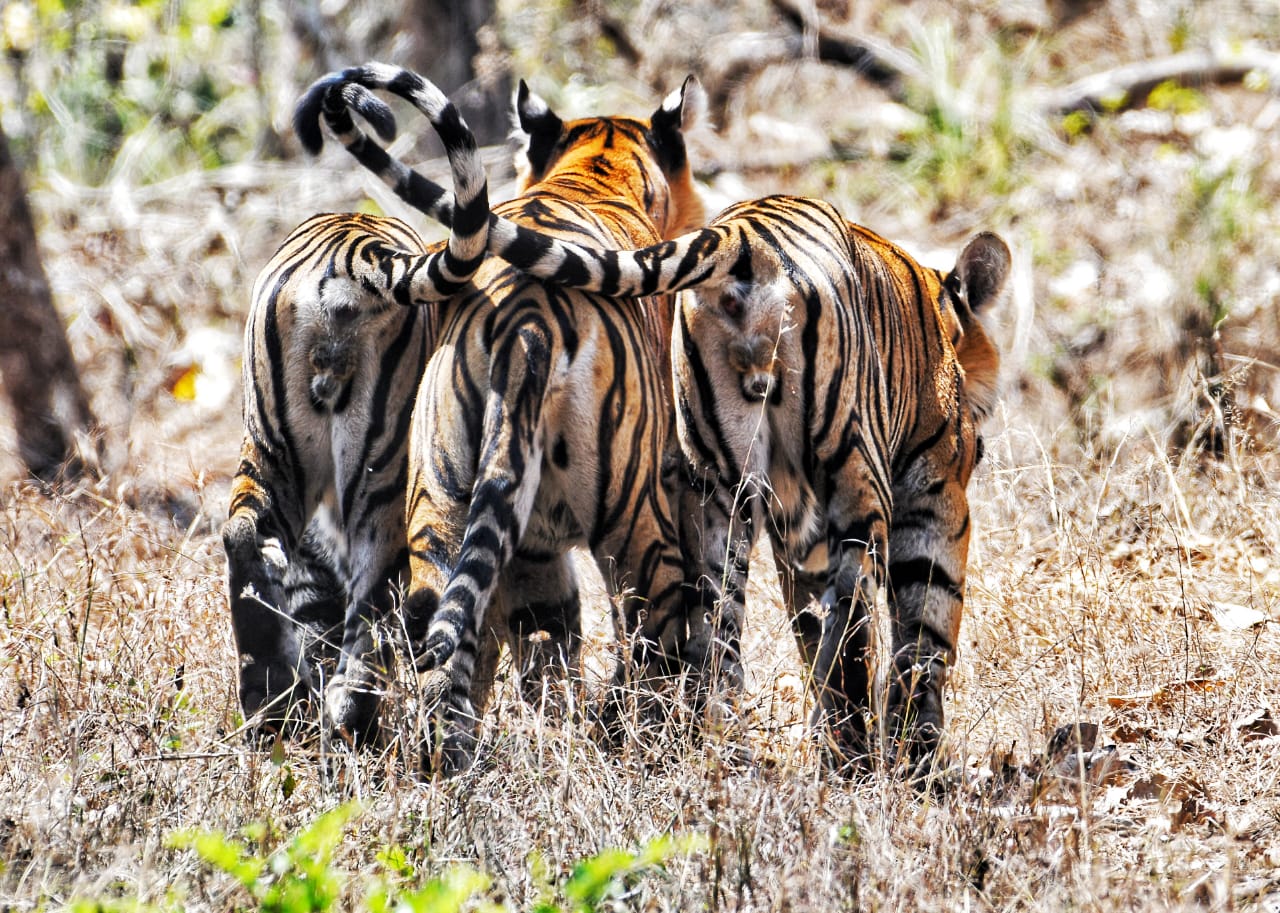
1124, 575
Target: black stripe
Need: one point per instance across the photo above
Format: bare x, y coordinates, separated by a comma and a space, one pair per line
922, 571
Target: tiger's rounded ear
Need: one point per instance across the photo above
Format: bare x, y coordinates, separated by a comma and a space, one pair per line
683, 108
982, 270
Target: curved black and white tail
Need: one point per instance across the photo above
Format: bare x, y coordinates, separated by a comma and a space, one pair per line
429, 277
707, 254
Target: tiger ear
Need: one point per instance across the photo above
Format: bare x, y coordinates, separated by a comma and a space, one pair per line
538, 126
679, 111
982, 270
682, 109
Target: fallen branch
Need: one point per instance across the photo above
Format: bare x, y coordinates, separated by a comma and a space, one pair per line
1129, 86
880, 63
745, 53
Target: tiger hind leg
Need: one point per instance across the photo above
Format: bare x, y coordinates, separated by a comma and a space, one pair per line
643, 571
545, 628
354, 695
366, 662
507, 478
929, 545
842, 660
839, 662
275, 679
718, 532
316, 593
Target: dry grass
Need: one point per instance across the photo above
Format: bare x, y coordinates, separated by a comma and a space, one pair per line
1116, 580
1101, 592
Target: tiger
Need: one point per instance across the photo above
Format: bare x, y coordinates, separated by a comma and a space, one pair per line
333, 353
831, 388
544, 417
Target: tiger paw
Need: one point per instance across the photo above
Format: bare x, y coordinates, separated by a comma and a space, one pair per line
451, 752
916, 714
435, 650
274, 561
351, 709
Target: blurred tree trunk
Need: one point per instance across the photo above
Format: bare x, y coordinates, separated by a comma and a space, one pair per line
448, 38
55, 426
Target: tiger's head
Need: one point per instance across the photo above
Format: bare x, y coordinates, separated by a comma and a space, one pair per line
587, 156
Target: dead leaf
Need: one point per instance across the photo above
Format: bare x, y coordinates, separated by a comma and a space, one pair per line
1165, 695
1256, 724
1071, 763
1129, 733
1071, 739
183, 387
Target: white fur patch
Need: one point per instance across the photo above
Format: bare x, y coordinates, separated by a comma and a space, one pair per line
341, 293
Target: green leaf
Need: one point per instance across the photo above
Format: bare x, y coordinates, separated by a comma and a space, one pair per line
446, 894
1076, 124
288, 784
592, 879
222, 852
1175, 98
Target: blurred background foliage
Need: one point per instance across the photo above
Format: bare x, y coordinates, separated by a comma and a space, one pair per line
156, 141
153, 88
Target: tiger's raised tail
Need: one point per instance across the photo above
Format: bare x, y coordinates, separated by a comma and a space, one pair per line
705, 255
428, 277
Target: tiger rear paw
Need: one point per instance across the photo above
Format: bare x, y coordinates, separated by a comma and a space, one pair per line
351, 708
451, 752
435, 650
450, 745
916, 714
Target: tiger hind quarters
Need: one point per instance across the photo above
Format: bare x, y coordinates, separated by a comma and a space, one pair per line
332, 365
543, 419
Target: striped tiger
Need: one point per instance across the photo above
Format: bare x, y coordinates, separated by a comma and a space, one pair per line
544, 415
831, 388
332, 362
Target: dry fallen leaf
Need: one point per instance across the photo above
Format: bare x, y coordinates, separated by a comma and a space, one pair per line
1165, 694
1256, 724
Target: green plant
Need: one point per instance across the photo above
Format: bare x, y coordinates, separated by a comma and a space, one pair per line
608, 874
299, 876
294, 878
974, 138
150, 89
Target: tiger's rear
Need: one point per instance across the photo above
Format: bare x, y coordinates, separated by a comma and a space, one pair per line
543, 420
331, 369
333, 355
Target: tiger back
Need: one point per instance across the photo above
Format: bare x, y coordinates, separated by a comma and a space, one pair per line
542, 423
